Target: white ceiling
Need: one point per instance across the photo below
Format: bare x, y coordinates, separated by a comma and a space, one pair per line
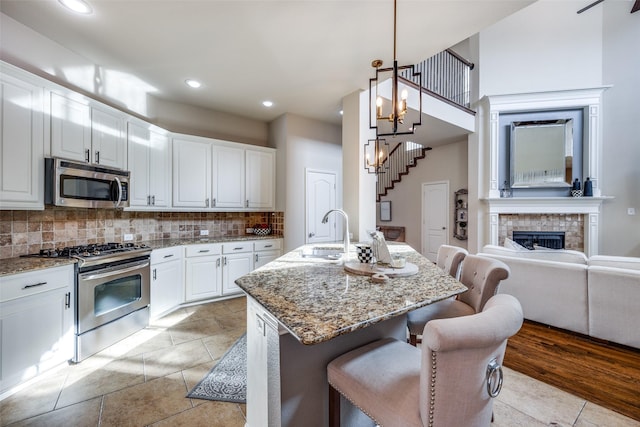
304, 55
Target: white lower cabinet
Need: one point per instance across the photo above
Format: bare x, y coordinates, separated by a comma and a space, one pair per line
203, 271
36, 323
237, 260
266, 251
167, 280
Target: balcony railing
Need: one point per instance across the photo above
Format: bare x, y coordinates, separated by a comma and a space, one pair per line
447, 75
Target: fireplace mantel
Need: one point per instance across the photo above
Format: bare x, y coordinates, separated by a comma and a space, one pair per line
588, 206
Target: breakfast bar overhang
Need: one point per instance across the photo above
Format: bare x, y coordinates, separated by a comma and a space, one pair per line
302, 312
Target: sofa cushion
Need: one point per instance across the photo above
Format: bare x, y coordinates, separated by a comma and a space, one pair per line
558, 255
613, 305
628, 263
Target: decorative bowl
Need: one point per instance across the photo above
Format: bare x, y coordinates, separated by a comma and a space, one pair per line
261, 231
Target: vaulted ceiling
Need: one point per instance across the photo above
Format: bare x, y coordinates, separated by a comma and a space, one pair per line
304, 55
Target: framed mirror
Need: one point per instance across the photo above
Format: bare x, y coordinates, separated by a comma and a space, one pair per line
542, 153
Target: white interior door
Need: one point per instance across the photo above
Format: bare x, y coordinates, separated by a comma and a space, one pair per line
321, 198
435, 217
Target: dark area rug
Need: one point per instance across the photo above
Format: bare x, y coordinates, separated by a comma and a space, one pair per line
227, 380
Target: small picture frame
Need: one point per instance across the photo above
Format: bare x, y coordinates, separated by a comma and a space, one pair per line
385, 211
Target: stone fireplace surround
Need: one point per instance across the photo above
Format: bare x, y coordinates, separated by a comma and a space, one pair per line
579, 217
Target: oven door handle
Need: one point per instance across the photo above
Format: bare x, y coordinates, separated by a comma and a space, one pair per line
115, 271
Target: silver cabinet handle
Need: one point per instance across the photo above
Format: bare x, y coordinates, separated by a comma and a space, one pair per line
218, 262
256, 257
148, 200
206, 202
97, 156
86, 155
34, 285
224, 260
214, 202
168, 256
247, 204
155, 271
153, 200
312, 234
268, 246
238, 249
67, 300
203, 251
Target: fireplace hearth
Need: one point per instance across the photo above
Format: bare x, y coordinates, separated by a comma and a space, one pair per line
545, 239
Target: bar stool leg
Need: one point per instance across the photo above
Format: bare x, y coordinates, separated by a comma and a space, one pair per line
334, 407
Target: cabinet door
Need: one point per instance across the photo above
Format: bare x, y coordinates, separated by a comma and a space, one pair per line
265, 257
159, 170
228, 177
21, 144
191, 173
138, 141
260, 185
202, 277
70, 129
32, 343
234, 267
166, 287
107, 139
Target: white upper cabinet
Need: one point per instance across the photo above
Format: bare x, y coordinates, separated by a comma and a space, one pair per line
87, 134
149, 161
22, 140
260, 176
191, 173
228, 177
108, 138
240, 177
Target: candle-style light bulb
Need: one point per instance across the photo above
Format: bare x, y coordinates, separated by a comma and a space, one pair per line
379, 107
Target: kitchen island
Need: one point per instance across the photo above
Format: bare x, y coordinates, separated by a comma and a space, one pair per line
303, 312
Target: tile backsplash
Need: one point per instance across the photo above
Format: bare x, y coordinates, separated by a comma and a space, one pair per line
25, 232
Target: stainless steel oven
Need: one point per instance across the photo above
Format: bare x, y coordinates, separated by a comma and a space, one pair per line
112, 301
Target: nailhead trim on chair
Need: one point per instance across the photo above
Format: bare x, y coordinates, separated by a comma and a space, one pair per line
432, 402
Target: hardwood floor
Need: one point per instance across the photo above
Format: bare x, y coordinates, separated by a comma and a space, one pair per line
605, 374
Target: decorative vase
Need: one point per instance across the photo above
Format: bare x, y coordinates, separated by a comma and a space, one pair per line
588, 188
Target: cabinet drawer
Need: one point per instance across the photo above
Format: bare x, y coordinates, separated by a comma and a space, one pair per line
237, 247
203, 250
166, 254
267, 245
35, 282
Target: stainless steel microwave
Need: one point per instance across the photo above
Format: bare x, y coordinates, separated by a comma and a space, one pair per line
81, 185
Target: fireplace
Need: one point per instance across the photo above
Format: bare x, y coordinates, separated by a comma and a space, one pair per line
546, 239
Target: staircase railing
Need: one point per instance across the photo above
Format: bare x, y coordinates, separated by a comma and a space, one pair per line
447, 75
403, 157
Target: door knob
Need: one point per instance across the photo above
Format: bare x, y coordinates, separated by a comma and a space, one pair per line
312, 234
444, 228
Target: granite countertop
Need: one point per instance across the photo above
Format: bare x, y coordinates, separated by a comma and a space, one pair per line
25, 264
316, 300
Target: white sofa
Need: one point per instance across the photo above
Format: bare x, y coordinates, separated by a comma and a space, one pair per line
597, 296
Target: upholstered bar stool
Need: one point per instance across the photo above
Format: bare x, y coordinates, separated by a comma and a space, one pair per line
481, 275
450, 381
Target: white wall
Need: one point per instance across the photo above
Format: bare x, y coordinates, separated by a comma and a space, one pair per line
548, 46
444, 163
302, 144
27, 49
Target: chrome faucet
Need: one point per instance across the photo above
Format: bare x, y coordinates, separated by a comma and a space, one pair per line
345, 231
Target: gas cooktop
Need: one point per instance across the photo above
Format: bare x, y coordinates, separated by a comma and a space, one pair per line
96, 253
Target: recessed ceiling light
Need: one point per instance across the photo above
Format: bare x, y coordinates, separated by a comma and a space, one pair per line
78, 6
267, 103
193, 83
341, 112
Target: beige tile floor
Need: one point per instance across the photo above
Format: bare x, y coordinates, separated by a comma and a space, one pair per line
143, 380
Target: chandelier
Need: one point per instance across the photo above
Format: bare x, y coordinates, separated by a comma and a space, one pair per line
390, 117
376, 152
